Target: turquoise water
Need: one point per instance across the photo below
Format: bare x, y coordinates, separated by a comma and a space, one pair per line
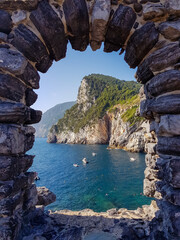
110, 180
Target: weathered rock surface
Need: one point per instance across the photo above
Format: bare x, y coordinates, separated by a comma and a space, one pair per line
45, 196
77, 21
51, 28
168, 55
173, 7
170, 30
123, 224
134, 54
13, 5
169, 145
164, 82
170, 194
31, 46
11, 88
12, 61
100, 17
154, 11
168, 167
31, 97
11, 112
15, 139
159, 105
15, 63
19, 16
30, 197
5, 22
169, 125
30, 76
11, 167
125, 136
18, 184
119, 28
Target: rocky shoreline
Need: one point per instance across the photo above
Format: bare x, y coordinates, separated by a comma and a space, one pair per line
86, 224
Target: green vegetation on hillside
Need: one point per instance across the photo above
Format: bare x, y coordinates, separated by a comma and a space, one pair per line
108, 92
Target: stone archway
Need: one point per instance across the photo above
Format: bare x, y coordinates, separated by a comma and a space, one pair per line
34, 33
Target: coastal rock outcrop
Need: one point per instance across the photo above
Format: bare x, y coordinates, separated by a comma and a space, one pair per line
120, 126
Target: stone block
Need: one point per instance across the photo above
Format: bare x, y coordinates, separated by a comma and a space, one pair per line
162, 58
149, 188
31, 97
167, 104
19, 16
30, 76
31, 46
51, 28
8, 205
5, 21
119, 28
12, 88
12, 187
3, 37
12, 61
15, 139
45, 196
18, 4
169, 125
99, 20
173, 7
162, 83
170, 170
169, 145
154, 11
11, 112
77, 21
169, 194
11, 167
137, 48
170, 30
35, 117
30, 197
15, 63
170, 216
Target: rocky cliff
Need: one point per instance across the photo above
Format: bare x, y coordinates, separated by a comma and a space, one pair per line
99, 118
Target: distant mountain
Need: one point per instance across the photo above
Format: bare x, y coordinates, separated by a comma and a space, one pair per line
50, 117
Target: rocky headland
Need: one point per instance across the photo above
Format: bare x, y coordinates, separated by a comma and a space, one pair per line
107, 112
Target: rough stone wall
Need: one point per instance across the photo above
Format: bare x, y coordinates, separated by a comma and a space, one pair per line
34, 33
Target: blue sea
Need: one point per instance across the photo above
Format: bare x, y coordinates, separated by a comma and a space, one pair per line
110, 180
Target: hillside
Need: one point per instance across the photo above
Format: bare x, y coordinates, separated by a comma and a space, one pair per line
51, 117
102, 102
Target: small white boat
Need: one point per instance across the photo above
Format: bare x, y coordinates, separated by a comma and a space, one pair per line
132, 159
75, 165
94, 154
84, 161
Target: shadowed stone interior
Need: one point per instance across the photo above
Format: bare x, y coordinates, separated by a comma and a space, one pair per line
34, 33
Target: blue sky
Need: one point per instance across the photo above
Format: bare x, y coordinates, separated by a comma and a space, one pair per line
60, 84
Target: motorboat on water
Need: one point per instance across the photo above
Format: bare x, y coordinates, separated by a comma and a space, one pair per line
85, 161
75, 165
